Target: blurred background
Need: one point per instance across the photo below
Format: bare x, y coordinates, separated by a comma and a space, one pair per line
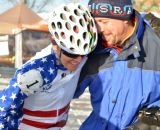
45, 6
24, 31
19, 45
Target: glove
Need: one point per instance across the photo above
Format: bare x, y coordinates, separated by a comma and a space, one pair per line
142, 126
148, 119
154, 21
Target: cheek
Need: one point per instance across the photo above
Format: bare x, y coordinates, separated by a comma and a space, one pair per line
120, 28
64, 60
109, 28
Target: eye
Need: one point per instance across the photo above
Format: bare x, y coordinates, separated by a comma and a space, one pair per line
105, 22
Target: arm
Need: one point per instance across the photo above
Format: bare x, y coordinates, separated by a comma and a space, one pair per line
90, 69
11, 102
148, 119
25, 82
81, 87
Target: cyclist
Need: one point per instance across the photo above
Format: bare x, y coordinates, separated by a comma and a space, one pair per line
41, 90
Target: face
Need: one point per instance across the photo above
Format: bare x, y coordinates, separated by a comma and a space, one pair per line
113, 31
71, 63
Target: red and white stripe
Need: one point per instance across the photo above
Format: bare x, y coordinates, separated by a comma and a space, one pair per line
55, 119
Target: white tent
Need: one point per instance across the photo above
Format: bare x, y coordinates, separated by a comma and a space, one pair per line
12, 21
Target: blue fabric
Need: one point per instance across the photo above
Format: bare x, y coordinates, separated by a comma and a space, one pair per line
12, 99
142, 89
119, 92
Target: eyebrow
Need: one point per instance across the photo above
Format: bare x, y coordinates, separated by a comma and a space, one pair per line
101, 20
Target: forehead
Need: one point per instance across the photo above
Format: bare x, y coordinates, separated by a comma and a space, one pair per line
102, 19
109, 20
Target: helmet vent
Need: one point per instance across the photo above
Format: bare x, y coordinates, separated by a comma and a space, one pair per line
81, 22
95, 35
59, 24
72, 49
63, 16
68, 26
72, 39
92, 23
88, 14
85, 17
75, 29
63, 35
91, 41
72, 18
76, 12
66, 9
84, 35
88, 27
80, 7
53, 25
56, 35
85, 46
62, 44
78, 42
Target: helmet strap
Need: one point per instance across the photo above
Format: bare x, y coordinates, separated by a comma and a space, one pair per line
59, 56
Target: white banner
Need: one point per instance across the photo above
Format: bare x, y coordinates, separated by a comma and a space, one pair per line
4, 38
4, 47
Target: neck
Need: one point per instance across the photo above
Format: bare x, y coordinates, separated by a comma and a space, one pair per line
129, 31
57, 51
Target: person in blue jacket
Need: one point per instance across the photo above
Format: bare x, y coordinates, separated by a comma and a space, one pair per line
125, 73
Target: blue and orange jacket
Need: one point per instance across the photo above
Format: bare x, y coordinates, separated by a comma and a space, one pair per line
120, 84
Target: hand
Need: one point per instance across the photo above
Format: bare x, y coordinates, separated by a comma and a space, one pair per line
141, 126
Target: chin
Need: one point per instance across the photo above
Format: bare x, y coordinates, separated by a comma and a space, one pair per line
108, 43
72, 69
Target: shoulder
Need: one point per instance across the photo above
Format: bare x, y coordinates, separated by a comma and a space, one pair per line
150, 44
150, 38
30, 81
44, 52
154, 21
36, 73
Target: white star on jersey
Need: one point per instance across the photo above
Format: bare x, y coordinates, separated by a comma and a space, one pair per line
51, 71
13, 96
2, 109
3, 98
1, 126
44, 60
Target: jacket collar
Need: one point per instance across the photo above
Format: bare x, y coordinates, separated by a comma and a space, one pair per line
133, 44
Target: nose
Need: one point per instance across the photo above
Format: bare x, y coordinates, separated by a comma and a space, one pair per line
100, 27
78, 58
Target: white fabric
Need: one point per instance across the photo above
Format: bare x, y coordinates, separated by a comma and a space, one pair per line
32, 79
73, 28
57, 97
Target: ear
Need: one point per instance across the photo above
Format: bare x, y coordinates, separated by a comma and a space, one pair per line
56, 48
51, 38
126, 21
129, 23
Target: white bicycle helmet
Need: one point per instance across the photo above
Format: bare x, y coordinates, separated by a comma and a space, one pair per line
73, 29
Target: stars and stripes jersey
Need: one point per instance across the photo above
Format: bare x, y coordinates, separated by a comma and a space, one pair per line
39, 94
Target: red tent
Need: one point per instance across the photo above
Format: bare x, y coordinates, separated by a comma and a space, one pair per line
23, 17
40, 26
